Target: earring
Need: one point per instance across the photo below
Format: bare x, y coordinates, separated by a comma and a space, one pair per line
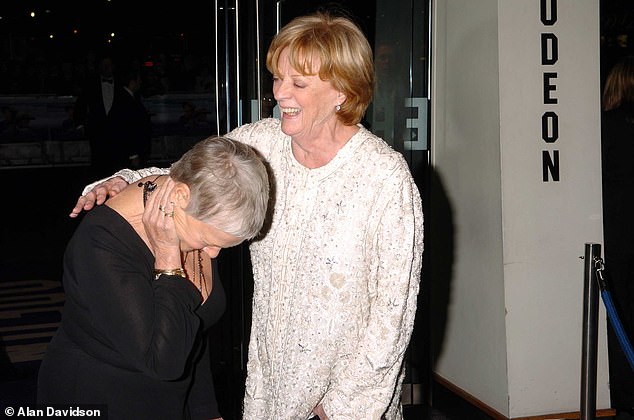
338, 107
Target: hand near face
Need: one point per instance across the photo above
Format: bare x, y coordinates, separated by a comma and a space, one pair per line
158, 221
98, 195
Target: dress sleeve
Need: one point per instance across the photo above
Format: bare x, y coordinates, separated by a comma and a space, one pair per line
129, 175
261, 135
123, 315
367, 385
255, 392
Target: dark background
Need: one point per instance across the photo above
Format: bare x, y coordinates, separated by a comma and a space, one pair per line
37, 199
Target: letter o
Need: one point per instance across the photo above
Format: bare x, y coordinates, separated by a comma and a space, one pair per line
550, 127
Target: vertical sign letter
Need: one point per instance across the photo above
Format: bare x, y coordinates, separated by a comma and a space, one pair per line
546, 19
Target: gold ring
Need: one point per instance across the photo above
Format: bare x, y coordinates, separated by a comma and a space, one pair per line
170, 214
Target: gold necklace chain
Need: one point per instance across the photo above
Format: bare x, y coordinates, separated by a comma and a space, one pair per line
199, 276
202, 284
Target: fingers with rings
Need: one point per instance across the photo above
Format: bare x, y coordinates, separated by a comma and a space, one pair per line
171, 213
163, 210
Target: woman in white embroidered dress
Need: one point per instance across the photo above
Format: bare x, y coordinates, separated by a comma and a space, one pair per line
337, 271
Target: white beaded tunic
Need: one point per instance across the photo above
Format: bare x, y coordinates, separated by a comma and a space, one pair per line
336, 274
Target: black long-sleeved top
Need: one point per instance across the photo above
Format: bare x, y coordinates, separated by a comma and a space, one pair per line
618, 178
617, 128
126, 340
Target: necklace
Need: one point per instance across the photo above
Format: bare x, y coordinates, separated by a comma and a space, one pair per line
148, 188
197, 265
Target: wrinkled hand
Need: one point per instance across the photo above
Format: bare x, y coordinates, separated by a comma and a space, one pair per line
98, 195
158, 221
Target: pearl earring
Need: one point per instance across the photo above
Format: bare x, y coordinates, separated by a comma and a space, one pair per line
338, 107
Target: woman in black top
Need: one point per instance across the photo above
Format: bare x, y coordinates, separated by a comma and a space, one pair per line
618, 222
142, 287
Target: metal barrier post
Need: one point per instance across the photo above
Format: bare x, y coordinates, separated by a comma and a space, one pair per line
590, 334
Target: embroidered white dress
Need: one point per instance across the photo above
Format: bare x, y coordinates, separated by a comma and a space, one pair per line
336, 274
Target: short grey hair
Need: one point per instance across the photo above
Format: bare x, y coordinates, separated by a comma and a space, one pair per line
229, 185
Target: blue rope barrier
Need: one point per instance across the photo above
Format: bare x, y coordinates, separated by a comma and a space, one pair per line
613, 315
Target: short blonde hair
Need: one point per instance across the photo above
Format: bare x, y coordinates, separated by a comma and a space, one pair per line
343, 51
229, 185
619, 85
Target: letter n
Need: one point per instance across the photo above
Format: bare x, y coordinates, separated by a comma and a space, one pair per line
550, 165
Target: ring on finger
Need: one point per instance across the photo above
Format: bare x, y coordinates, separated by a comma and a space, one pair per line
161, 208
170, 214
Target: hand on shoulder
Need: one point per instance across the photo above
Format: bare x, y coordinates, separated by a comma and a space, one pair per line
98, 195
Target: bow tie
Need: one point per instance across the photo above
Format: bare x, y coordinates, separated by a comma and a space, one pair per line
104, 80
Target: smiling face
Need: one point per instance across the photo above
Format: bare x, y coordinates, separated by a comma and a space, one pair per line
306, 102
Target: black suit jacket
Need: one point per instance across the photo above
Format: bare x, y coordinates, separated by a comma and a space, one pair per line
114, 137
130, 126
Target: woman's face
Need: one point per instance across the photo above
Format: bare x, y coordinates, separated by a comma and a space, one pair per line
195, 234
307, 103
